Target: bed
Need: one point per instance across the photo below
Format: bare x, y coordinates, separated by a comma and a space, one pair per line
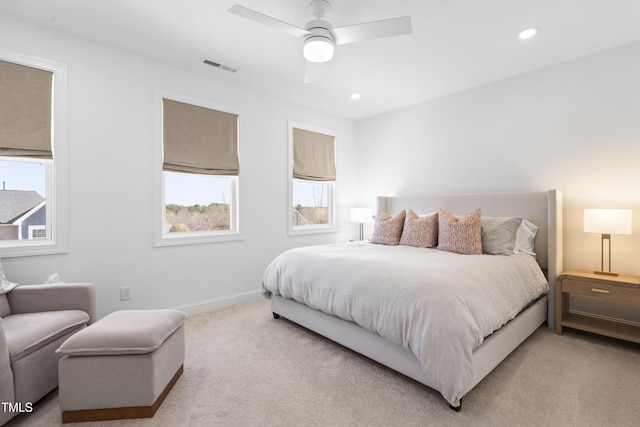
351, 294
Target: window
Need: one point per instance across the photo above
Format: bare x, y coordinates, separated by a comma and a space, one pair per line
37, 232
312, 180
310, 202
33, 168
197, 202
199, 163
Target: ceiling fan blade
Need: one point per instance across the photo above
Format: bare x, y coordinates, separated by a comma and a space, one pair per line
373, 30
267, 20
313, 71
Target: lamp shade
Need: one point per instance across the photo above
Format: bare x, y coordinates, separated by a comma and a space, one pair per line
361, 215
607, 221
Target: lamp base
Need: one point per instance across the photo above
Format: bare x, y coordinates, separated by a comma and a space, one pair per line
606, 273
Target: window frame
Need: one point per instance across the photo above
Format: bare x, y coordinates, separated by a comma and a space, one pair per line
160, 238
332, 224
57, 206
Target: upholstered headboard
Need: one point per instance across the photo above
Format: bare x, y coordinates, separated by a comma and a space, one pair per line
543, 208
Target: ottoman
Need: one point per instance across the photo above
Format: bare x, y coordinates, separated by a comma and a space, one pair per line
122, 366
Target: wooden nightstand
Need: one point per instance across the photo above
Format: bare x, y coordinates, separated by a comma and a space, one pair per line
614, 288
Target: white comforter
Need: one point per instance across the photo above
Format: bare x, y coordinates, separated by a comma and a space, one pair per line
437, 304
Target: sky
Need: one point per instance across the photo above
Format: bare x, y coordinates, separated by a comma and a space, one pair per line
188, 190
181, 189
23, 176
303, 193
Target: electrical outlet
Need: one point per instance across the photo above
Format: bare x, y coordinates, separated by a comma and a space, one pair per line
125, 293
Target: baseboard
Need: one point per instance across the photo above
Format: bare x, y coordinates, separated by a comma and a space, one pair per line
131, 412
218, 303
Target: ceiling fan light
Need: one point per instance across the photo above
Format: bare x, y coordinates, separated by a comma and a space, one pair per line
318, 49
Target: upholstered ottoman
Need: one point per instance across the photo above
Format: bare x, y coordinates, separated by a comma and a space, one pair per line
122, 366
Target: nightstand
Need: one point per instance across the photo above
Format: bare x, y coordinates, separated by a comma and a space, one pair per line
624, 288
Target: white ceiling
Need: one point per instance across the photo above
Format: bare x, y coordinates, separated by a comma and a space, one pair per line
455, 45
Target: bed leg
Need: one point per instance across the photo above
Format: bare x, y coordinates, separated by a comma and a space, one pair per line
276, 315
456, 408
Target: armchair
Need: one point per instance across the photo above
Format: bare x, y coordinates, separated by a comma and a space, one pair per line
34, 321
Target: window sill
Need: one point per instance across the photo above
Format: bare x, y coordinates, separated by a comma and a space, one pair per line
32, 248
312, 229
196, 240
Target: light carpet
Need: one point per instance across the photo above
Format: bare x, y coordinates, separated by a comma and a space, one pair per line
243, 368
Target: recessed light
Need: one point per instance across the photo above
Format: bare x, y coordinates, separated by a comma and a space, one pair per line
355, 96
527, 33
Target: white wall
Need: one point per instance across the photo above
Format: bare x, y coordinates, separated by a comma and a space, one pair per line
111, 180
573, 127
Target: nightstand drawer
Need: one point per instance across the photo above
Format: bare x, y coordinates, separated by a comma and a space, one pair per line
601, 290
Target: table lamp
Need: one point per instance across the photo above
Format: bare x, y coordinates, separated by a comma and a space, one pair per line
361, 215
607, 222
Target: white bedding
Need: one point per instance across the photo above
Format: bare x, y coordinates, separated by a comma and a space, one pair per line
439, 305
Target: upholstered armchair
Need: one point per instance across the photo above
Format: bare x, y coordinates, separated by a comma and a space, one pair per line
34, 321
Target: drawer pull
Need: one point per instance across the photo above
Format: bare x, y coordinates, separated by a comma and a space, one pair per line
600, 291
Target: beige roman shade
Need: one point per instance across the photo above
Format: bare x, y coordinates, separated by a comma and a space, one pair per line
25, 111
199, 140
313, 156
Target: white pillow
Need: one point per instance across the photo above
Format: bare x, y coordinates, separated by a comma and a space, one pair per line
525, 238
499, 234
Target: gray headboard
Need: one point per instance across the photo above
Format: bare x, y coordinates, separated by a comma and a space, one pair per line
543, 208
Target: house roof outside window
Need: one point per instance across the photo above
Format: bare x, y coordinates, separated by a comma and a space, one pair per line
15, 203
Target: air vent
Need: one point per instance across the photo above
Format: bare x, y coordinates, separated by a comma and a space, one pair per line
221, 66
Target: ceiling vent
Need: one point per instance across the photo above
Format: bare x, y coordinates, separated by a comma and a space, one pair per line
221, 66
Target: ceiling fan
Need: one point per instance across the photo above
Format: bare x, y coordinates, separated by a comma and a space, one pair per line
320, 37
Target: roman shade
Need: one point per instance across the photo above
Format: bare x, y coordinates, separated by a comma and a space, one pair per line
25, 111
313, 156
199, 140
